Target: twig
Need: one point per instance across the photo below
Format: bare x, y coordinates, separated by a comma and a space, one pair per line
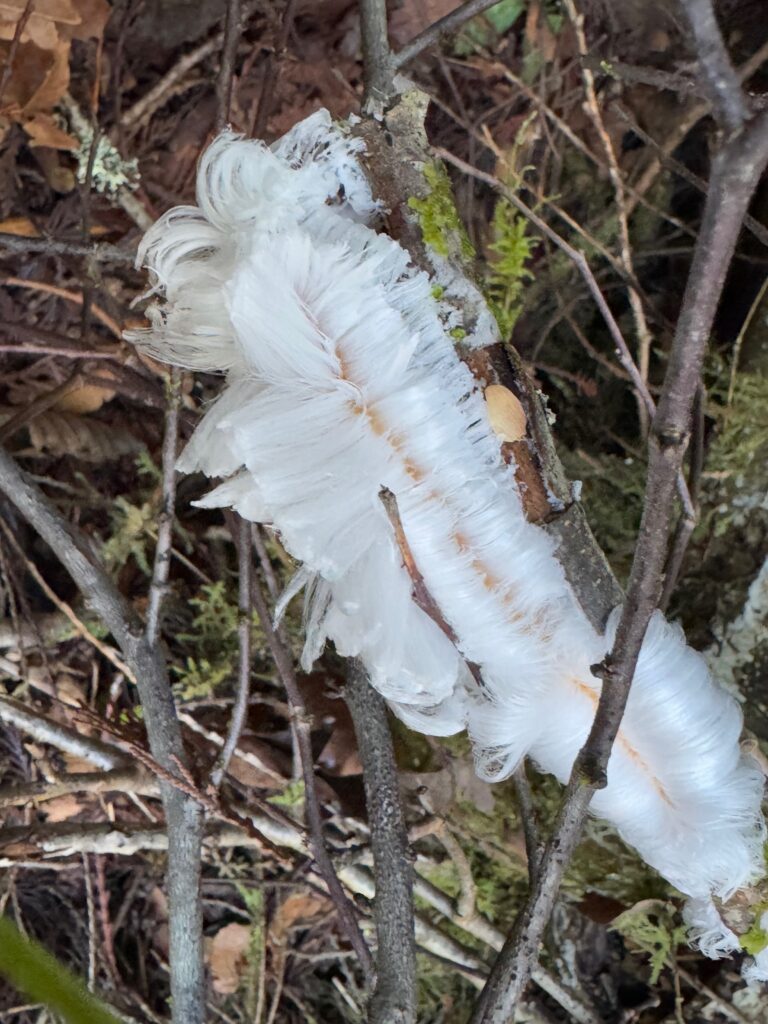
718, 78
760, 231
184, 816
101, 252
688, 120
79, 626
443, 26
580, 261
564, 128
40, 405
685, 523
737, 168
63, 293
245, 613
625, 247
394, 999
301, 725
116, 780
162, 562
378, 71
528, 820
46, 730
226, 78
269, 76
756, 303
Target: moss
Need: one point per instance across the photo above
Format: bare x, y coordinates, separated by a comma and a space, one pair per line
439, 220
507, 272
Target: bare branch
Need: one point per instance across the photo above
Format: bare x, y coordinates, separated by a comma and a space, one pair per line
184, 816
394, 998
47, 730
301, 724
244, 607
162, 561
101, 253
120, 780
716, 72
582, 265
226, 78
442, 27
737, 168
378, 72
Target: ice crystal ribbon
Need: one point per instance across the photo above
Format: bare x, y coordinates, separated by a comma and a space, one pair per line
342, 379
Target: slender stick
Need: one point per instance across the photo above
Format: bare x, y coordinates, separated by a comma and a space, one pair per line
737, 169
301, 726
184, 816
244, 608
394, 998
162, 563
443, 26
227, 69
377, 57
580, 261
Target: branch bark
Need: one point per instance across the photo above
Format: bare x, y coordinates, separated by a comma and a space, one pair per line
737, 169
394, 998
185, 818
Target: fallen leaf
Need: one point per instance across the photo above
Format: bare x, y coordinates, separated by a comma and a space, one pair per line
45, 10
85, 399
62, 807
505, 413
298, 908
55, 433
21, 226
226, 955
44, 131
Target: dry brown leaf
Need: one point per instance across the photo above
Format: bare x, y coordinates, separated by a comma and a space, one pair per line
44, 10
93, 17
21, 226
505, 413
226, 956
411, 18
62, 807
298, 908
85, 399
44, 131
58, 433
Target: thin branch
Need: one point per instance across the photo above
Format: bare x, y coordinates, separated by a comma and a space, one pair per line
301, 725
442, 27
378, 71
80, 628
41, 404
101, 252
737, 169
582, 265
395, 998
162, 562
226, 78
760, 231
529, 821
245, 614
47, 730
716, 72
270, 73
625, 248
18, 32
184, 816
120, 780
